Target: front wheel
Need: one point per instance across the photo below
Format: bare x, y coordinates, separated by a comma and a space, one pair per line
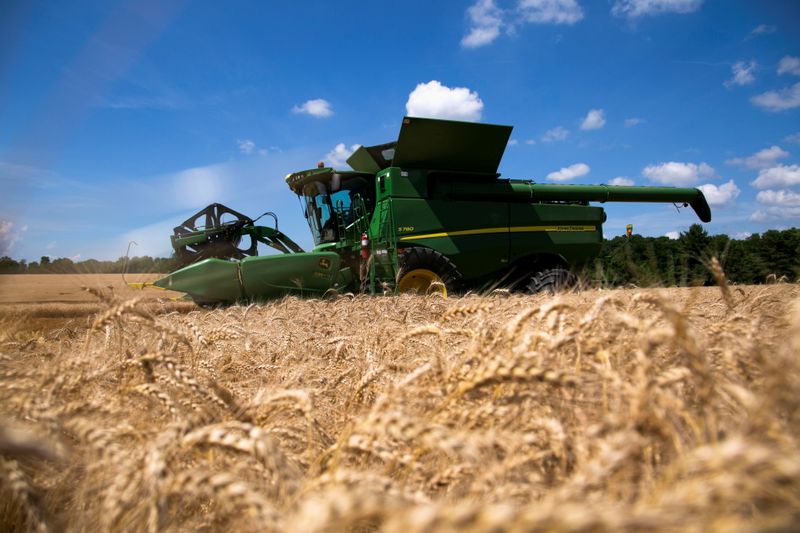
551, 281
426, 271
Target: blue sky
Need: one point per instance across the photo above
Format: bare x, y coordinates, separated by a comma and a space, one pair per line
118, 119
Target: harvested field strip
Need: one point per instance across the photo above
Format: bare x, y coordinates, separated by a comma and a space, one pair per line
607, 410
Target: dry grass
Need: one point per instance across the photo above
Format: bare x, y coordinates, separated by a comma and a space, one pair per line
666, 409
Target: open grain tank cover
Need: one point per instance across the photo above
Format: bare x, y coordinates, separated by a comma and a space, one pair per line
451, 146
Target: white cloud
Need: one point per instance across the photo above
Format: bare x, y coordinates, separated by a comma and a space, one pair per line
793, 138
513, 142
742, 235
789, 65
720, 194
640, 8
435, 100
781, 197
569, 173
8, 237
678, 174
246, 146
780, 100
556, 134
594, 120
550, 11
742, 73
633, 121
778, 176
674, 235
621, 180
531, 142
775, 213
486, 20
763, 29
765, 158
317, 107
337, 157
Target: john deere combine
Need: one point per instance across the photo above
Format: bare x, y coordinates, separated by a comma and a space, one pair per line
428, 212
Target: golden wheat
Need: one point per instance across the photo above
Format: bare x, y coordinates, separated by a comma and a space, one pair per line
663, 409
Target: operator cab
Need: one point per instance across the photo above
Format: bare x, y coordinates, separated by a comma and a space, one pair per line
336, 204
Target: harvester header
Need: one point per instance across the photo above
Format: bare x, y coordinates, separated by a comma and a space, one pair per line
427, 212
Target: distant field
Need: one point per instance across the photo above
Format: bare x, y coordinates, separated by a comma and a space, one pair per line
42, 301
68, 288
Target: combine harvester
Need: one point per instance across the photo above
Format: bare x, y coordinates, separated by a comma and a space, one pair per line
428, 212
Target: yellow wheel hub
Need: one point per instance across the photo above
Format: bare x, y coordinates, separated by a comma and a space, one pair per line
422, 281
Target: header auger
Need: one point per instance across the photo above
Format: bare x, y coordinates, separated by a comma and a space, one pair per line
428, 212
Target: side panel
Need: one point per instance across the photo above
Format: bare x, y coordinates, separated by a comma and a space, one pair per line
272, 276
573, 232
474, 235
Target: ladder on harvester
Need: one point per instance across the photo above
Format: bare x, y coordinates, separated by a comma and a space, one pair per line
383, 261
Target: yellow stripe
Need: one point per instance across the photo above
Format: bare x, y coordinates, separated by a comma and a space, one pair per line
484, 231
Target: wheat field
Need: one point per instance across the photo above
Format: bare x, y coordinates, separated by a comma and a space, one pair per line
658, 409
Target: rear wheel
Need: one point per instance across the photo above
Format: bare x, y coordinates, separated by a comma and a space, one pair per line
426, 271
551, 281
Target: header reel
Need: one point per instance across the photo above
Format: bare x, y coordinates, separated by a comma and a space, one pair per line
217, 232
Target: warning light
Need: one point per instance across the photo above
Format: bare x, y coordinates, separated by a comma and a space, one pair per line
320, 164
629, 230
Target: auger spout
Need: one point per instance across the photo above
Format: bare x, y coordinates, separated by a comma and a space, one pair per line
524, 191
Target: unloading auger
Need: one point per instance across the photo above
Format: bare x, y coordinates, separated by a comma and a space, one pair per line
428, 212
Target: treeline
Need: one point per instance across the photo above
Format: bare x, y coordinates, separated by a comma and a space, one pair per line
64, 265
643, 261
660, 261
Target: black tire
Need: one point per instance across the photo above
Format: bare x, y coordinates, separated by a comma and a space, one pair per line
551, 281
424, 258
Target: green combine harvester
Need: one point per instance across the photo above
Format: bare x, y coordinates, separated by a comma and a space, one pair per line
426, 213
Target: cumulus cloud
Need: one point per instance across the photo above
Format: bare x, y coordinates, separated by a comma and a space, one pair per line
337, 157
435, 100
594, 120
720, 194
8, 237
789, 65
317, 107
550, 11
569, 173
246, 146
621, 180
765, 158
556, 134
782, 197
742, 73
678, 174
793, 138
674, 235
641, 8
633, 121
778, 176
775, 213
486, 19
780, 100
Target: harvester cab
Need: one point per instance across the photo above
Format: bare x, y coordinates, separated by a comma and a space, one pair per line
428, 212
